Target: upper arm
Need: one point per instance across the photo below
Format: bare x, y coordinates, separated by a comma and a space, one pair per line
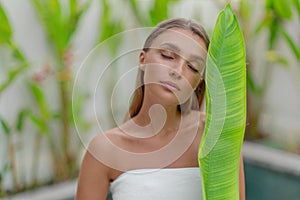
242, 179
94, 181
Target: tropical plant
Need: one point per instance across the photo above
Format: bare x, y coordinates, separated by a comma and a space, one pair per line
158, 11
21, 64
60, 22
11, 163
219, 152
6, 40
42, 117
276, 15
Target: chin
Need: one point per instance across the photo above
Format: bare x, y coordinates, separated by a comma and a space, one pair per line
163, 95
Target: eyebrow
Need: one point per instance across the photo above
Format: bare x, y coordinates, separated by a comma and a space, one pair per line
171, 46
197, 58
176, 49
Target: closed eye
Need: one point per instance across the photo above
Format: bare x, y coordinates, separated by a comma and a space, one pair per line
167, 54
194, 69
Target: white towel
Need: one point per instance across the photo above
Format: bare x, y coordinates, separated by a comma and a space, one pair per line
158, 184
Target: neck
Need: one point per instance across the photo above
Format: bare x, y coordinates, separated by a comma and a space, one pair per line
158, 118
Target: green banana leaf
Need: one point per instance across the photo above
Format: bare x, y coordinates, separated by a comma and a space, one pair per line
219, 151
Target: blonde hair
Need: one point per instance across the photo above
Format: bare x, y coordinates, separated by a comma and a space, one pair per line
138, 96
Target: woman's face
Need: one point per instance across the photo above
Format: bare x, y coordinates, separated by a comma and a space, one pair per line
174, 64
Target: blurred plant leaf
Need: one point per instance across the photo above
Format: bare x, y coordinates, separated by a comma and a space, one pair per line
264, 23
40, 100
5, 169
273, 32
5, 38
56, 115
109, 27
38, 122
297, 6
269, 4
160, 11
18, 54
251, 84
274, 56
77, 112
49, 12
283, 8
290, 42
76, 12
245, 9
141, 18
5, 126
5, 29
12, 74
277, 13
59, 28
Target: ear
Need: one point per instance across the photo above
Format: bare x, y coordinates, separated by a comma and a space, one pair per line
142, 60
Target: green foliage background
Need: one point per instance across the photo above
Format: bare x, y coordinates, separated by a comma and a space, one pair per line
60, 21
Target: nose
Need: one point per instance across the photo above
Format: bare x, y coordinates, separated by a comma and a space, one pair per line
177, 69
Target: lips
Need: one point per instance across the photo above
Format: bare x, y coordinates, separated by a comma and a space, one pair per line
170, 85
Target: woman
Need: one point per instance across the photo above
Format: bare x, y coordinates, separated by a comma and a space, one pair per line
153, 155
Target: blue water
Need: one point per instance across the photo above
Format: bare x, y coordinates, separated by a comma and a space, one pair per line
263, 184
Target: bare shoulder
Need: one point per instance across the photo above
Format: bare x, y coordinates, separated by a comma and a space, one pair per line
100, 149
109, 149
96, 172
103, 140
108, 141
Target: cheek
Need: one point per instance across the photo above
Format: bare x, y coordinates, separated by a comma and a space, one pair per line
192, 80
188, 85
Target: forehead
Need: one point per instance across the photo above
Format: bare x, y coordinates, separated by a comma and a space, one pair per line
188, 42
